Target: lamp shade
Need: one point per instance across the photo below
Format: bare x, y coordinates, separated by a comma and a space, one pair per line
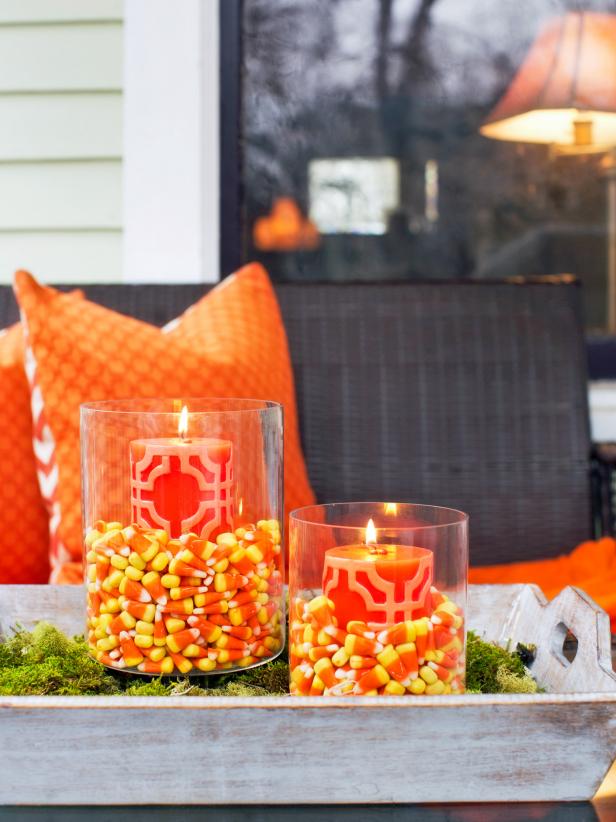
565, 90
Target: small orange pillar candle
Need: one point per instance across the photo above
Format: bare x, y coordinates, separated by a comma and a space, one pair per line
377, 584
181, 484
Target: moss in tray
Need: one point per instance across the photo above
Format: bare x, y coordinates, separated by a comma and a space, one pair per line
494, 670
45, 662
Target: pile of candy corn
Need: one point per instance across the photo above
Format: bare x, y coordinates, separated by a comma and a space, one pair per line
418, 656
174, 606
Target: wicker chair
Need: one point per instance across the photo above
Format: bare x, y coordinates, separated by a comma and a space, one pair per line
467, 394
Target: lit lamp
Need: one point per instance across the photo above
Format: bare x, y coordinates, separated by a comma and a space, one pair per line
564, 95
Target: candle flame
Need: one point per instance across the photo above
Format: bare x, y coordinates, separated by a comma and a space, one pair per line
370, 533
240, 507
391, 508
183, 423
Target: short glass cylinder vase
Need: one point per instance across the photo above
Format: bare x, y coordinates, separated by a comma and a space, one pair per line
377, 598
183, 550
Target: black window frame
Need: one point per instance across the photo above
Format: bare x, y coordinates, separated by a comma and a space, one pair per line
231, 129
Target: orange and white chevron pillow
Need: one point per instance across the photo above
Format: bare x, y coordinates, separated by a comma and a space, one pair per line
232, 343
46, 465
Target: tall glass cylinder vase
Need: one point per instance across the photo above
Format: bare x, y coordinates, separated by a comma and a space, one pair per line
377, 596
182, 517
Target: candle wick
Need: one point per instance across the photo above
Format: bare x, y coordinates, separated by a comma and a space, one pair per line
376, 549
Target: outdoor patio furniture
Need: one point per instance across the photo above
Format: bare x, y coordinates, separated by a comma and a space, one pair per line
466, 394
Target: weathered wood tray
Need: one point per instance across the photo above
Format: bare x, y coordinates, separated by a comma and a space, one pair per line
276, 750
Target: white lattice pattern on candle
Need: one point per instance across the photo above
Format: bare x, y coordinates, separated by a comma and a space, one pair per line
415, 589
215, 494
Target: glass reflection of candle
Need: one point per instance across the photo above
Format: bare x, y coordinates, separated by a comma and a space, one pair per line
390, 509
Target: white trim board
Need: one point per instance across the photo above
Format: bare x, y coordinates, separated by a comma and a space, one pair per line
171, 143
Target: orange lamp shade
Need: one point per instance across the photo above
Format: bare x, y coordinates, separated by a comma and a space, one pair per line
564, 92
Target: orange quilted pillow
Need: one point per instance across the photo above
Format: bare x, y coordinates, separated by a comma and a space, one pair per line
24, 554
231, 343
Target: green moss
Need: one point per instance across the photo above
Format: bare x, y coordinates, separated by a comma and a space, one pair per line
509, 683
46, 662
494, 670
138, 686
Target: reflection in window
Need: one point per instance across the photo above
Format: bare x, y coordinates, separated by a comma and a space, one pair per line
335, 89
353, 195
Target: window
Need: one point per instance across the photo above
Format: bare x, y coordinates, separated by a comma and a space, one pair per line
361, 156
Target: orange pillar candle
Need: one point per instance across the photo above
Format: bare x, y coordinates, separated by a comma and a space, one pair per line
181, 484
377, 584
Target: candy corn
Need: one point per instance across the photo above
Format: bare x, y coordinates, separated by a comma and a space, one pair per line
166, 606
417, 656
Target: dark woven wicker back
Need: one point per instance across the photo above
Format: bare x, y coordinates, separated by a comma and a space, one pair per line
468, 395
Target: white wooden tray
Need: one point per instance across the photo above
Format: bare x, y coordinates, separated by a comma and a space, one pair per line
292, 750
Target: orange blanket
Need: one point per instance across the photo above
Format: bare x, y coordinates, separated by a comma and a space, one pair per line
591, 567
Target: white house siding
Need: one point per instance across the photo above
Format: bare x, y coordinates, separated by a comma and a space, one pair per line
61, 139
171, 141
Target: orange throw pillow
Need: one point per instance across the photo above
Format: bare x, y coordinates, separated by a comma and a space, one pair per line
591, 566
231, 343
24, 551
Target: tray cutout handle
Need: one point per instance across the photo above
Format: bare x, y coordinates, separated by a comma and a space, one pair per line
560, 634
535, 621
